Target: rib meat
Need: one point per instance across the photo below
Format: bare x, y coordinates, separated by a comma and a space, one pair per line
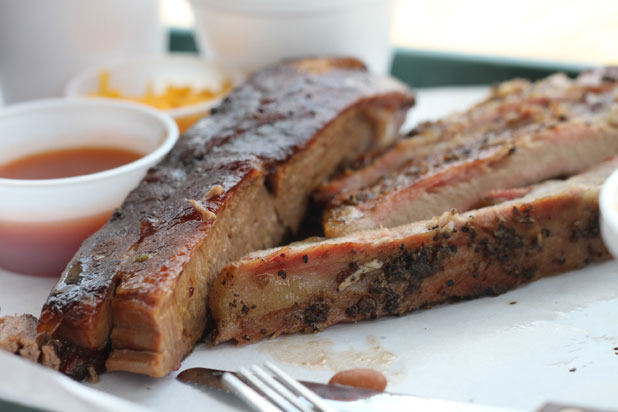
311, 285
523, 133
18, 335
236, 182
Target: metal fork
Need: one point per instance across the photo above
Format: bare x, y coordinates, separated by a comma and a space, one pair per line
266, 394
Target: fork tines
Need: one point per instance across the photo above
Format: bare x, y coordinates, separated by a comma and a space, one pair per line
266, 394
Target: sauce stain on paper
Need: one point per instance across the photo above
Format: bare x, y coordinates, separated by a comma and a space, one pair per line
319, 354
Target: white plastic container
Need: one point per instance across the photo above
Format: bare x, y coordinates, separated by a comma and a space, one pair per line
608, 203
41, 206
44, 43
133, 76
253, 33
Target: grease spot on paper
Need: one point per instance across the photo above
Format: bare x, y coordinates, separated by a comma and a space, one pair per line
319, 354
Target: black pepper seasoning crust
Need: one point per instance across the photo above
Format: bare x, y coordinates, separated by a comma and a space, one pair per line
504, 250
507, 246
482, 252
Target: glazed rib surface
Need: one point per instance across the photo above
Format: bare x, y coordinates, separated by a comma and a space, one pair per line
237, 181
308, 286
523, 133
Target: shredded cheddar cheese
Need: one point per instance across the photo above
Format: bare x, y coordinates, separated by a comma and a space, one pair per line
173, 96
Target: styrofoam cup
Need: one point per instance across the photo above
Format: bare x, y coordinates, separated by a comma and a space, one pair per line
254, 33
43, 43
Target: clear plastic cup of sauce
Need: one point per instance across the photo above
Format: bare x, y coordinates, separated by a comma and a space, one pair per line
65, 165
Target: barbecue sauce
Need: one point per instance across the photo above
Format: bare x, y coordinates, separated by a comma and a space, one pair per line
44, 248
56, 164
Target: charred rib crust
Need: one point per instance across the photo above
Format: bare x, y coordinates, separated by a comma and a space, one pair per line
371, 274
131, 279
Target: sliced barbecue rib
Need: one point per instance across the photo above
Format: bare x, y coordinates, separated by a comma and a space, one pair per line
520, 135
236, 182
311, 285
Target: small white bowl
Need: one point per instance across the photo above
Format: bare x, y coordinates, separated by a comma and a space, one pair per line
132, 78
40, 205
608, 203
254, 33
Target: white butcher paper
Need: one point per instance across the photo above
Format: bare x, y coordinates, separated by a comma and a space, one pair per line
551, 340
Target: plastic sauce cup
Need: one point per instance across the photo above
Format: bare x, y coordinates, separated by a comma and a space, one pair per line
43, 222
133, 77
